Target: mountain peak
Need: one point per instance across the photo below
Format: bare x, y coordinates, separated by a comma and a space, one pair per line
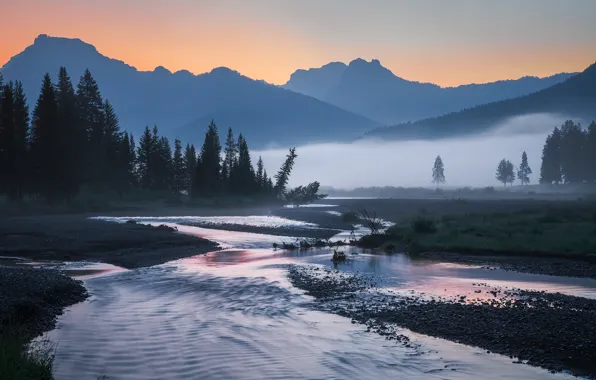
46, 41
162, 70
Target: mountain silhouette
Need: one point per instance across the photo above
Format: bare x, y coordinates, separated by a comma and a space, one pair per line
182, 104
575, 98
371, 90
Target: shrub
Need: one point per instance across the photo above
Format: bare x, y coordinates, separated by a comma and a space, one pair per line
423, 225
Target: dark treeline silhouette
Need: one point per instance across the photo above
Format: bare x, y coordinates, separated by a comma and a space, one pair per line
73, 139
569, 155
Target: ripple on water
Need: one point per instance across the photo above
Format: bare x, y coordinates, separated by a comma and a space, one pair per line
232, 314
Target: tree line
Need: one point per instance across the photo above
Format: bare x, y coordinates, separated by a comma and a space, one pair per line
73, 139
568, 156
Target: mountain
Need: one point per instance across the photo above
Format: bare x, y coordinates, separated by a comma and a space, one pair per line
575, 98
182, 104
371, 90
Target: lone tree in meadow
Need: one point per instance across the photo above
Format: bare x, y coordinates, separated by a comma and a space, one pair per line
438, 171
505, 172
523, 174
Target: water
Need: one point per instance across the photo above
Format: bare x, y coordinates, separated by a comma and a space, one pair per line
232, 314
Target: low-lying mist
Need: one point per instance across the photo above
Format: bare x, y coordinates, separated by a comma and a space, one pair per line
469, 161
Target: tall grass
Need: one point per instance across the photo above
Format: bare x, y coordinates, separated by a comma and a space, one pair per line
19, 361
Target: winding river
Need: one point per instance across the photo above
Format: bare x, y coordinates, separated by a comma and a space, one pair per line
233, 314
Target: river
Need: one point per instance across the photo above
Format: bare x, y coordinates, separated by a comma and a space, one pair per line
233, 314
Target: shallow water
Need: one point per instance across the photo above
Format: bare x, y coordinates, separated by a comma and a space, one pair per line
232, 314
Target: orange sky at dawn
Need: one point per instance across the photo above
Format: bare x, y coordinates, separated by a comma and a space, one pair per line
270, 40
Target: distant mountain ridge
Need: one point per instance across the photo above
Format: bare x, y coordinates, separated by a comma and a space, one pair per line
574, 98
371, 90
182, 104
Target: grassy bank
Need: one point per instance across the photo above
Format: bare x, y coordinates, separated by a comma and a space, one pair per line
564, 231
20, 361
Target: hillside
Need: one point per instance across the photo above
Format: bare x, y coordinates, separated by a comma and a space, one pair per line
371, 90
182, 104
574, 98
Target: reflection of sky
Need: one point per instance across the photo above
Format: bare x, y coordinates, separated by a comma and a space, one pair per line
256, 220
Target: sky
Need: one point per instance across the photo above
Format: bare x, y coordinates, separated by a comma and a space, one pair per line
447, 42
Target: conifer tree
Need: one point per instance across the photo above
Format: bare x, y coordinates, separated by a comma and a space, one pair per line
230, 155
283, 175
505, 172
179, 165
572, 149
550, 169
242, 176
110, 149
210, 167
590, 158
164, 165
438, 171
21, 125
44, 142
72, 138
145, 154
523, 174
190, 163
259, 174
91, 109
7, 138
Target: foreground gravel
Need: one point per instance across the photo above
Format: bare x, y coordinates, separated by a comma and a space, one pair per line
549, 330
31, 298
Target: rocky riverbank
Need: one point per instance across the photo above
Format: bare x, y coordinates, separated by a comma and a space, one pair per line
31, 298
553, 331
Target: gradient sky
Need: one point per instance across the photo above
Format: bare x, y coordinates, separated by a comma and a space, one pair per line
448, 42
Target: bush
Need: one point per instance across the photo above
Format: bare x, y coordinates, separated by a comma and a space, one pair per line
350, 217
423, 225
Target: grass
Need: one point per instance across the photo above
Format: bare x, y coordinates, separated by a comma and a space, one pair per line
566, 231
19, 361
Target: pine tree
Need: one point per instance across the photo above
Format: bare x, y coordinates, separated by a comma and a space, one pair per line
590, 158
110, 149
242, 176
125, 170
21, 125
550, 169
180, 170
165, 167
45, 132
7, 138
259, 175
523, 174
573, 140
503, 174
91, 108
145, 156
72, 140
210, 167
230, 154
438, 171
190, 163
3, 142
283, 175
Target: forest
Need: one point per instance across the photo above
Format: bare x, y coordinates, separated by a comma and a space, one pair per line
72, 141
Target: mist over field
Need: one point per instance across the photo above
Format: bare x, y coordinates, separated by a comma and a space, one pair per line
469, 161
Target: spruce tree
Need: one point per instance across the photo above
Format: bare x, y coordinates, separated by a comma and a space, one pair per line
145, 156
230, 154
259, 175
3, 142
502, 172
190, 163
180, 170
45, 132
91, 108
210, 168
550, 169
7, 138
72, 140
523, 174
164, 165
242, 176
590, 158
572, 148
438, 171
110, 150
21, 137
283, 175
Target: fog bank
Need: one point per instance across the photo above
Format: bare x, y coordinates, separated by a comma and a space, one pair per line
469, 161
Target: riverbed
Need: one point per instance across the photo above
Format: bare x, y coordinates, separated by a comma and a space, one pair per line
234, 314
